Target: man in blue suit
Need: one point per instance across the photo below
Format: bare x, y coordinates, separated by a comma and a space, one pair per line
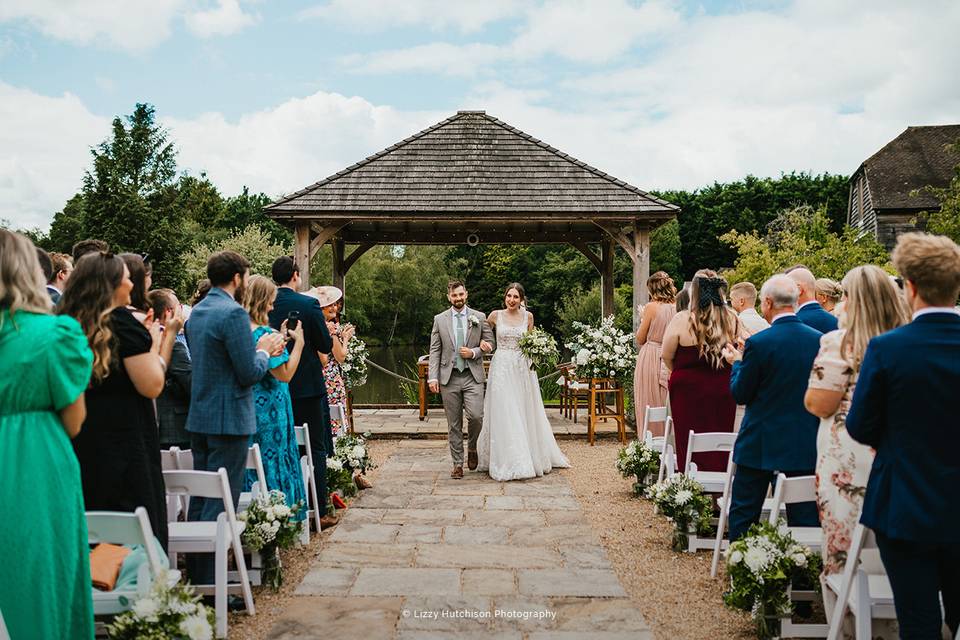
905, 407
226, 365
809, 311
777, 433
308, 389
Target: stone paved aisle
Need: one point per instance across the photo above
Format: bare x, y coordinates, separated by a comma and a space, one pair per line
423, 556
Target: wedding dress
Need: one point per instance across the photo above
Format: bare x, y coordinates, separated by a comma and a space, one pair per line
516, 440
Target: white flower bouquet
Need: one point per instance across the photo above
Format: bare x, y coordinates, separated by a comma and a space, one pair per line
352, 453
269, 527
683, 501
165, 612
355, 367
638, 459
762, 565
340, 478
540, 348
602, 351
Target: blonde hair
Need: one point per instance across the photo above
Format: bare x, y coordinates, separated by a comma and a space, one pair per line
932, 264
873, 307
714, 325
260, 293
22, 285
829, 289
661, 287
746, 289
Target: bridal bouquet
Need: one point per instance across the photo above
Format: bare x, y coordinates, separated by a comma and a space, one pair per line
354, 367
165, 612
683, 501
539, 347
269, 528
641, 460
602, 351
351, 451
762, 565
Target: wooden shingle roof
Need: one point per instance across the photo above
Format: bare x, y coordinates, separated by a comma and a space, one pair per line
472, 164
917, 158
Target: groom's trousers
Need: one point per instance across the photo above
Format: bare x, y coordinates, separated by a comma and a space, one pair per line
462, 394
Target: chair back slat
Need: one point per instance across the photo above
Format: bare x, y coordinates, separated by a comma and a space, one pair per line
652, 414
169, 458
116, 527
255, 462
792, 491
185, 460
706, 443
198, 484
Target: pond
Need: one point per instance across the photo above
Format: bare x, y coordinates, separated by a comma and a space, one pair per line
382, 388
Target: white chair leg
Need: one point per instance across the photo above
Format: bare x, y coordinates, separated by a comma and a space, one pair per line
241, 570
220, 584
863, 614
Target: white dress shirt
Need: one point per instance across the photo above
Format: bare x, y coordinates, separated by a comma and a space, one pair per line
752, 320
926, 310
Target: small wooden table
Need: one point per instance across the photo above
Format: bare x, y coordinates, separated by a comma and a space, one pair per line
598, 409
423, 390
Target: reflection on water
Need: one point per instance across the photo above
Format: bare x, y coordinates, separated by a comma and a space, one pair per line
385, 389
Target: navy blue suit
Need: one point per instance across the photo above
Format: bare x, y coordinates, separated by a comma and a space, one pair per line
813, 315
777, 433
905, 407
308, 389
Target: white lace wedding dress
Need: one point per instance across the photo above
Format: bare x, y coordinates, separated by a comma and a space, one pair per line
517, 440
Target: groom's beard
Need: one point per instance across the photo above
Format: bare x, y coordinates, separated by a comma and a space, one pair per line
459, 305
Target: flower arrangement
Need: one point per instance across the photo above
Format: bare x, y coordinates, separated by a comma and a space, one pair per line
762, 565
540, 348
354, 367
638, 459
165, 612
602, 351
269, 528
683, 501
340, 478
351, 451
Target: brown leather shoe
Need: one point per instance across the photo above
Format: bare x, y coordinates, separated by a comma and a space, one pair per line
457, 473
362, 482
328, 521
472, 460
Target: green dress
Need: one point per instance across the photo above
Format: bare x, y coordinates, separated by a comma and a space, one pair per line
45, 588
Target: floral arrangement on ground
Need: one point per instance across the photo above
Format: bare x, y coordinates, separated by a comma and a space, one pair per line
683, 501
638, 459
354, 366
352, 452
762, 565
602, 351
270, 526
540, 348
340, 478
165, 612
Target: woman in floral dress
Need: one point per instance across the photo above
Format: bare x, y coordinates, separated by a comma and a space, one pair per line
843, 465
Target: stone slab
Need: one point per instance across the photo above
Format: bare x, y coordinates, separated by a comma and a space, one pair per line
511, 503
423, 516
485, 556
446, 613
506, 519
327, 581
489, 582
591, 583
414, 533
357, 554
397, 581
365, 532
445, 502
475, 535
311, 617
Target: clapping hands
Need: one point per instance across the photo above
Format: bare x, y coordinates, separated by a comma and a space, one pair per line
274, 342
295, 334
733, 352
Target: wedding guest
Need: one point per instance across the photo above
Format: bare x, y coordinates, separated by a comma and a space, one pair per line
904, 407
699, 382
46, 266
872, 307
308, 389
226, 366
777, 434
743, 299
683, 300
141, 274
650, 376
62, 266
173, 405
89, 245
203, 288
809, 310
118, 448
44, 368
331, 300
828, 294
271, 401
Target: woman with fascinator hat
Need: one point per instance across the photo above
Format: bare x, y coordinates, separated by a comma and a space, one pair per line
699, 384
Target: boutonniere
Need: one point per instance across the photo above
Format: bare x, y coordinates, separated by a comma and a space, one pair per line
473, 321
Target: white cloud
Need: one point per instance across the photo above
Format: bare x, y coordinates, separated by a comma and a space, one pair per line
227, 18
436, 57
377, 15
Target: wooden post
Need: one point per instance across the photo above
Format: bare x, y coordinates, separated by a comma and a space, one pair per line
301, 252
606, 278
339, 270
641, 270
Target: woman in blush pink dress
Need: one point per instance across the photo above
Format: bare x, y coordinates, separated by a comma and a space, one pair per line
650, 376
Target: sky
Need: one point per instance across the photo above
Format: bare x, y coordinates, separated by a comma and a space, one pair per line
275, 94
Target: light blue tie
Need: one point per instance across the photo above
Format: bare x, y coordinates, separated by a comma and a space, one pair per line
461, 364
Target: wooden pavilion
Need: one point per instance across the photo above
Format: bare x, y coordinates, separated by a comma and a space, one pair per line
475, 179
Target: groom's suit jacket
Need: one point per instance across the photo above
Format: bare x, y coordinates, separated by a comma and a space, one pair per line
443, 349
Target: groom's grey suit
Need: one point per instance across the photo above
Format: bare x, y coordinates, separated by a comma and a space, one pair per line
461, 390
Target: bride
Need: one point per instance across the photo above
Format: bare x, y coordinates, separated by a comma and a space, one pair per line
516, 440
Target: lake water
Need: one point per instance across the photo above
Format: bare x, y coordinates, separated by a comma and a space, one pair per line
385, 389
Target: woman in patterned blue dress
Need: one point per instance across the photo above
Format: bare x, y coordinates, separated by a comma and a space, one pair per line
271, 398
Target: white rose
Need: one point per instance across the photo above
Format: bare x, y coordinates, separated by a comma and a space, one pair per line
197, 628
334, 463
583, 357
756, 559
281, 510
800, 559
146, 608
182, 606
269, 514
359, 451
735, 557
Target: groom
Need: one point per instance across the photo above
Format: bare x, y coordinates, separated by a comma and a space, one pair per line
459, 338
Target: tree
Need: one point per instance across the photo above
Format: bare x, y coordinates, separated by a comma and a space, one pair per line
68, 225
246, 209
946, 221
800, 235
253, 243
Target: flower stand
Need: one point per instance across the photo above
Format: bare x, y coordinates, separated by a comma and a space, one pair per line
600, 389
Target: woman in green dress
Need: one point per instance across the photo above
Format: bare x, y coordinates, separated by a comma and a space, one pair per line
45, 364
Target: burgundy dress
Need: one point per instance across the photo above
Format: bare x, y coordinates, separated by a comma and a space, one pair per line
700, 401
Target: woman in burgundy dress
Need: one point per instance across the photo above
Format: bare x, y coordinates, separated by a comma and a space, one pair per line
699, 383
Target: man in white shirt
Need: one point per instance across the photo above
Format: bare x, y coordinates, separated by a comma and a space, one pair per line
743, 299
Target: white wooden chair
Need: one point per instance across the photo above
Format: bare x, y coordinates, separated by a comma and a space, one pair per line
170, 461
217, 537
255, 462
668, 457
310, 482
339, 412
863, 587
712, 481
653, 414
115, 527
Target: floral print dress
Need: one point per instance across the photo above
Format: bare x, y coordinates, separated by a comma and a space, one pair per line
336, 388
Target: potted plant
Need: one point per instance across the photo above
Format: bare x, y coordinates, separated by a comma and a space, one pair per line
638, 459
684, 502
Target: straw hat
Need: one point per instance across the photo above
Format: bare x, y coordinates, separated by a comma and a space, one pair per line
325, 295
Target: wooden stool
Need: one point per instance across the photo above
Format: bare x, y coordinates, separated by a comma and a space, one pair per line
599, 390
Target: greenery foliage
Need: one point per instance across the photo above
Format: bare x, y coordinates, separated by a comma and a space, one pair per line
946, 221
252, 242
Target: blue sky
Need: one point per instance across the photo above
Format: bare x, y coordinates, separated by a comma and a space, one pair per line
275, 95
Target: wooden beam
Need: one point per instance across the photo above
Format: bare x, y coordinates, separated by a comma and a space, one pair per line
339, 271
301, 252
623, 238
324, 234
594, 259
355, 255
606, 278
641, 270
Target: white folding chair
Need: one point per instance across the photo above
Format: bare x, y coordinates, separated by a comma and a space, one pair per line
255, 462
217, 537
114, 527
668, 457
306, 462
169, 459
863, 587
712, 481
653, 414
339, 412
